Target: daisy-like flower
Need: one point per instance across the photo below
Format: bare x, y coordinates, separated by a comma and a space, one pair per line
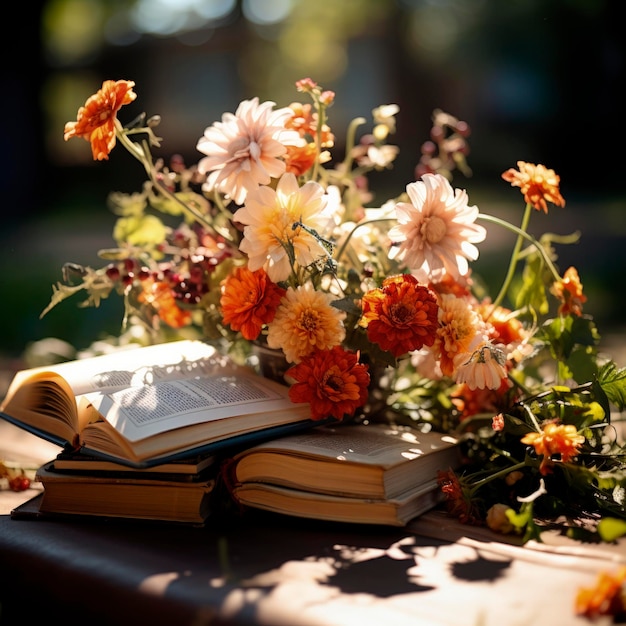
305, 322
569, 291
245, 149
538, 184
249, 301
332, 381
483, 367
274, 237
555, 438
95, 121
459, 325
436, 231
400, 316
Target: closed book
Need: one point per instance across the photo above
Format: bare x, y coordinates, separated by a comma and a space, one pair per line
127, 496
359, 460
396, 511
68, 461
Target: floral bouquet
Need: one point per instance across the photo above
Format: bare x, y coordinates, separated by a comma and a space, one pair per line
269, 240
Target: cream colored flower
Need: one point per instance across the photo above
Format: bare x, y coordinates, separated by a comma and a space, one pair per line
274, 236
483, 367
436, 231
244, 149
305, 321
385, 121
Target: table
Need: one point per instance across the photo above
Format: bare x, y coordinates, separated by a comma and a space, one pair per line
260, 568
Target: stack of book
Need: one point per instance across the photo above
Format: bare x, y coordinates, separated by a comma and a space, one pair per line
146, 432
359, 473
178, 492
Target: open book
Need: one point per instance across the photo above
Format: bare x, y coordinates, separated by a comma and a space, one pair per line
362, 460
151, 405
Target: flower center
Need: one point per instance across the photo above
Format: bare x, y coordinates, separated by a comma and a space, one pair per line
308, 321
434, 230
401, 314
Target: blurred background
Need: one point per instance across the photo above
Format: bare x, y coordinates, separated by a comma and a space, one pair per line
536, 80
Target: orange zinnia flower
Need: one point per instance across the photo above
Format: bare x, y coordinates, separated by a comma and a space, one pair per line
95, 121
300, 159
605, 598
401, 316
159, 295
555, 438
332, 381
249, 300
537, 183
569, 291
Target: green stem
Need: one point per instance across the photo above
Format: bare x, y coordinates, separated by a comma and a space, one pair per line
144, 157
344, 245
521, 235
350, 140
503, 472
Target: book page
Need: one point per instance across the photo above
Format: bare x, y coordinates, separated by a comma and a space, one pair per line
371, 444
134, 366
141, 412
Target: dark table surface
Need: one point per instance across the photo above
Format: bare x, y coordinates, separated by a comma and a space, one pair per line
260, 568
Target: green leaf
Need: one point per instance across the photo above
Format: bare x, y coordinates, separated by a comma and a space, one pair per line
613, 382
138, 231
563, 334
532, 292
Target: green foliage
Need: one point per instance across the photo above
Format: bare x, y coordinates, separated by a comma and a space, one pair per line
613, 382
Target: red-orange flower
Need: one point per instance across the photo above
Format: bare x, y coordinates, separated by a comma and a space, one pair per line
332, 381
95, 121
470, 402
555, 438
159, 295
300, 159
606, 598
538, 184
401, 316
249, 300
458, 502
569, 291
